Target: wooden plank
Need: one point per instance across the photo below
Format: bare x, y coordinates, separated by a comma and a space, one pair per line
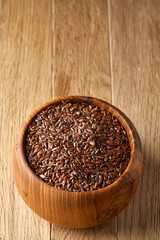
25, 67
135, 41
80, 48
81, 66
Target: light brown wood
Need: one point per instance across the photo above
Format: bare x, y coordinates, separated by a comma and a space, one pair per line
25, 67
135, 51
77, 209
81, 49
25, 74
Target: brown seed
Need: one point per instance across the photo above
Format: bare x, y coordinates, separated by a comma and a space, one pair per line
109, 181
92, 143
40, 153
77, 147
42, 176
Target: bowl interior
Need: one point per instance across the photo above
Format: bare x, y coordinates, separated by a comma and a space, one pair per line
133, 137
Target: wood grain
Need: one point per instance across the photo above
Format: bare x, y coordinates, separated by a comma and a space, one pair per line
86, 47
135, 39
25, 62
80, 48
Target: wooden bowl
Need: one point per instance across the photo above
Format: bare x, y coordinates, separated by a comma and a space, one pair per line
77, 209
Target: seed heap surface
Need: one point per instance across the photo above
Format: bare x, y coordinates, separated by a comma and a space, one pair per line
77, 147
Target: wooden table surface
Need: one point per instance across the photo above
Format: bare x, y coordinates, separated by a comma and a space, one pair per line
106, 49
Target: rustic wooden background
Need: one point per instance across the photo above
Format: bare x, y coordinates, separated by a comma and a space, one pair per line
106, 49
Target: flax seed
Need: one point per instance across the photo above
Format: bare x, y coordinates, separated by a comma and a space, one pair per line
77, 147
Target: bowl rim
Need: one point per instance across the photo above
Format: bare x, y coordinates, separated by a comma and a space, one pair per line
136, 157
